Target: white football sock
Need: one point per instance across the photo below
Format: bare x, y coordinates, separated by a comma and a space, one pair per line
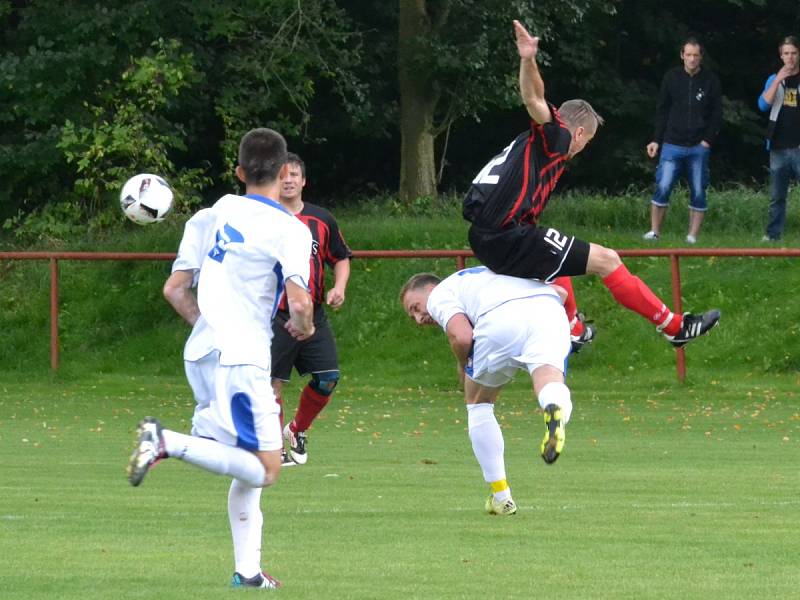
558, 394
246, 519
487, 441
215, 457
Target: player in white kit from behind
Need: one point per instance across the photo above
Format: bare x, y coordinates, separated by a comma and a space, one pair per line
200, 358
259, 251
497, 325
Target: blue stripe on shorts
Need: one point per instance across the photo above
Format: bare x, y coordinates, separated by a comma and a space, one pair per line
242, 413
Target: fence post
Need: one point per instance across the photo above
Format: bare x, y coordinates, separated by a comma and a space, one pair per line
680, 355
53, 313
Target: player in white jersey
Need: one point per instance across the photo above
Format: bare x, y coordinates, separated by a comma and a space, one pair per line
258, 251
200, 358
497, 325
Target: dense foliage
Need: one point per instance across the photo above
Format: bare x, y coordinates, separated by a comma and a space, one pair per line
92, 92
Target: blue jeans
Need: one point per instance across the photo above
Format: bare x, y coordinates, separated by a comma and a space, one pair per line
782, 165
674, 159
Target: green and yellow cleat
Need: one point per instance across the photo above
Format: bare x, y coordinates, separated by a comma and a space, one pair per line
500, 507
554, 435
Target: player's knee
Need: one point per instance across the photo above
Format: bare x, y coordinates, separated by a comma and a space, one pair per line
603, 261
325, 382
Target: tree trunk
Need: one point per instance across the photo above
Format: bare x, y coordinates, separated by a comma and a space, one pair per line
418, 99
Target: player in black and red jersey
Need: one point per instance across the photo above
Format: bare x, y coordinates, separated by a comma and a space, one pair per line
316, 355
508, 196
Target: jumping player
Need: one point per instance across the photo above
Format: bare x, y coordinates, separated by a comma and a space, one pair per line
508, 196
316, 355
258, 250
497, 325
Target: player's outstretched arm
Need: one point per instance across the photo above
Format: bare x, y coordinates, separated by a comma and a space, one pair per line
178, 292
301, 311
531, 84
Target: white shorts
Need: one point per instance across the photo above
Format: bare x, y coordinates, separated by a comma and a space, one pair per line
520, 334
200, 375
243, 412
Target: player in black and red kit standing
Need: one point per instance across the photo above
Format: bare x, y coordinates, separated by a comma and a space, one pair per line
508, 196
316, 355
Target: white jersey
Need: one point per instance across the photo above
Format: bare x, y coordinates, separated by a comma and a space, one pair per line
476, 291
258, 247
196, 243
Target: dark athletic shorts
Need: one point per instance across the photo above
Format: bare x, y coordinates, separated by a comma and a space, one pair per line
529, 251
314, 355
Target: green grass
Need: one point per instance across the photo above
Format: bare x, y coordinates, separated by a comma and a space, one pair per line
664, 491
113, 319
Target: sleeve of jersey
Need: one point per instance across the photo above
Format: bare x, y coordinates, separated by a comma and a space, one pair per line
338, 248
295, 256
195, 242
443, 305
555, 135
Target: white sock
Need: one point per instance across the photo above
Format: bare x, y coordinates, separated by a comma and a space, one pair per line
487, 441
215, 457
558, 394
246, 519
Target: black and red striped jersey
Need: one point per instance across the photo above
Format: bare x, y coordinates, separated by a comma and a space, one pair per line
328, 248
514, 187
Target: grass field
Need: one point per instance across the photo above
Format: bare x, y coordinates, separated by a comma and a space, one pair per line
664, 491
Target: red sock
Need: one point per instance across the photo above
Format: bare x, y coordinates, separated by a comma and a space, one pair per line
633, 293
311, 404
279, 402
576, 326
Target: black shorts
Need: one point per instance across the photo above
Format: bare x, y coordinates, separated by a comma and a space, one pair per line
314, 355
529, 251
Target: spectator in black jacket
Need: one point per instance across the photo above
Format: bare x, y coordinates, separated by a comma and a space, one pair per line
688, 119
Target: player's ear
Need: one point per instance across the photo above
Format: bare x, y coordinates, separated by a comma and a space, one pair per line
240, 174
284, 171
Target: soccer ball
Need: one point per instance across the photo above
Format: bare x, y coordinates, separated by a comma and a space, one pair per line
146, 198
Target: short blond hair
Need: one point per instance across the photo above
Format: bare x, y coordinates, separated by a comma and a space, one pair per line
418, 282
579, 113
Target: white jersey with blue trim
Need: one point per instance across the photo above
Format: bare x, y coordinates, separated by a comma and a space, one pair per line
478, 290
258, 247
196, 243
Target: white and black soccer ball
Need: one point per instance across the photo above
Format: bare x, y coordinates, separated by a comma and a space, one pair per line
146, 198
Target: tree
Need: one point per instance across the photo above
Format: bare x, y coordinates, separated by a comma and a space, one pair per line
456, 58
68, 114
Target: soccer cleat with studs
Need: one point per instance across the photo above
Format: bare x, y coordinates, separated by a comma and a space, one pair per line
261, 580
500, 507
297, 445
148, 451
586, 336
554, 434
693, 326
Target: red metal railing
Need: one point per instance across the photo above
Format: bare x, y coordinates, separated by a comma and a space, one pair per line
460, 257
